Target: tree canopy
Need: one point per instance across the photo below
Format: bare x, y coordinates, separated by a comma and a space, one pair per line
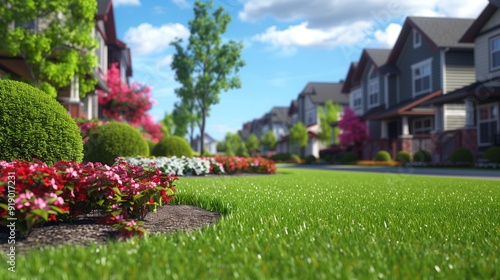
55, 39
298, 134
269, 140
252, 143
206, 66
326, 119
353, 130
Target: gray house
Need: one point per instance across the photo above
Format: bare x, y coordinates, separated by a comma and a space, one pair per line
482, 98
426, 61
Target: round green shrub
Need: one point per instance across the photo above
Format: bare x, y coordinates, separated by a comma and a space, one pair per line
114, 140
422, 156
151, 146
310, 159
403, 157
348, 158
34, 125
329, 158
462, 155
172, 146
286, 157
492, 154
382, 156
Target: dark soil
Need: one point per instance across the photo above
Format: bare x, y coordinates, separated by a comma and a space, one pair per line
84, 230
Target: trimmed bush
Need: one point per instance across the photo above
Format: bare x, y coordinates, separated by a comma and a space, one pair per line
403, 157
151, 146
422, 156
310, 159
462, 155
382, 156
492, 154
348, 158
34, 125
286, 157
114, 140
329, 158
172, 146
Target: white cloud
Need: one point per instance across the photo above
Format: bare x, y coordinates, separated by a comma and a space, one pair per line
302, 35
327, 23
183, 4
117, 3
388, 37
148, 39
166, 61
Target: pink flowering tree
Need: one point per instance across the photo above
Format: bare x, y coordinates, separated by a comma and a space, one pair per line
353, 132
129, 104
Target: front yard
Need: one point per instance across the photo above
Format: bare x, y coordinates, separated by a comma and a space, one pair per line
305, 224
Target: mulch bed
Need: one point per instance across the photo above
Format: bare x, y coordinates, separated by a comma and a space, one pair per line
84, 230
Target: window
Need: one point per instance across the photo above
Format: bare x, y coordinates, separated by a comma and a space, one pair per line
495, 53
488, 122
356, 99
422, 126
373, 88
417, 39
421, 75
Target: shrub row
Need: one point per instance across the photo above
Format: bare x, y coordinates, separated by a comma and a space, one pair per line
180, 166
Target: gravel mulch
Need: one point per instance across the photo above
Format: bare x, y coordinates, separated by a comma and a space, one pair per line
84, 230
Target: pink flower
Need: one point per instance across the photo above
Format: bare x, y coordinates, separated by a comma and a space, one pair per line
39, 203
131, 223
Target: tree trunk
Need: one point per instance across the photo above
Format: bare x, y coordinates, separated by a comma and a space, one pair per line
202, 136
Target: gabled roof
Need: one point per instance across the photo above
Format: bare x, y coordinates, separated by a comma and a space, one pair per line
319, 93
293, 108
349, 80
473, 31
277, 115
377, 57
439, 32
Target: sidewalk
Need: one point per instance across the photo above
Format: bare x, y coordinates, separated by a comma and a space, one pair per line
486, 174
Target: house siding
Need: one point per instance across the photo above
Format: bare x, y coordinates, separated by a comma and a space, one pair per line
410, 56
454, 116
375, 128
365, 81
459, 70
393, 90
482, 53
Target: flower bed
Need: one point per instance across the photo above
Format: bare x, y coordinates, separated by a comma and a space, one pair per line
35, 193
205, 165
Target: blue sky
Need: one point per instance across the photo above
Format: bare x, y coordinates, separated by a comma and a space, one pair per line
288, 43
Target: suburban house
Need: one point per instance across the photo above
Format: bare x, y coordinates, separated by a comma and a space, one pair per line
276, 119
210, 145
109, 50
482, 97
389, 89
305, 110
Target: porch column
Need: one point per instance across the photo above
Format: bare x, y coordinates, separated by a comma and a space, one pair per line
469, 112
405, 127
383, 133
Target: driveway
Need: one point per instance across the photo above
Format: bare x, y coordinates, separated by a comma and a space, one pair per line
441, 172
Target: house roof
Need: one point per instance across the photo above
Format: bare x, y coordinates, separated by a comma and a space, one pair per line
349, 80
439, 32
407, 108
277, 115
473, 31
377, 57
481, 90
293, 108
103, 7
320, 92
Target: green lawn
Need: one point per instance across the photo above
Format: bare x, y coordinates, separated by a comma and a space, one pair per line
304, 224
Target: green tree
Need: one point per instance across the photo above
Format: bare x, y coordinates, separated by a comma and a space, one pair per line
233, 143
167, 124
252, 144
55, 39
269, 140
206, 66
242, 150
327, 133
298, 134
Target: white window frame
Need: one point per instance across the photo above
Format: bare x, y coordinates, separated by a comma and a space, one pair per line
492, 52
422, 128
417, 39
357, 96
373, 89
420, 65
492, 119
